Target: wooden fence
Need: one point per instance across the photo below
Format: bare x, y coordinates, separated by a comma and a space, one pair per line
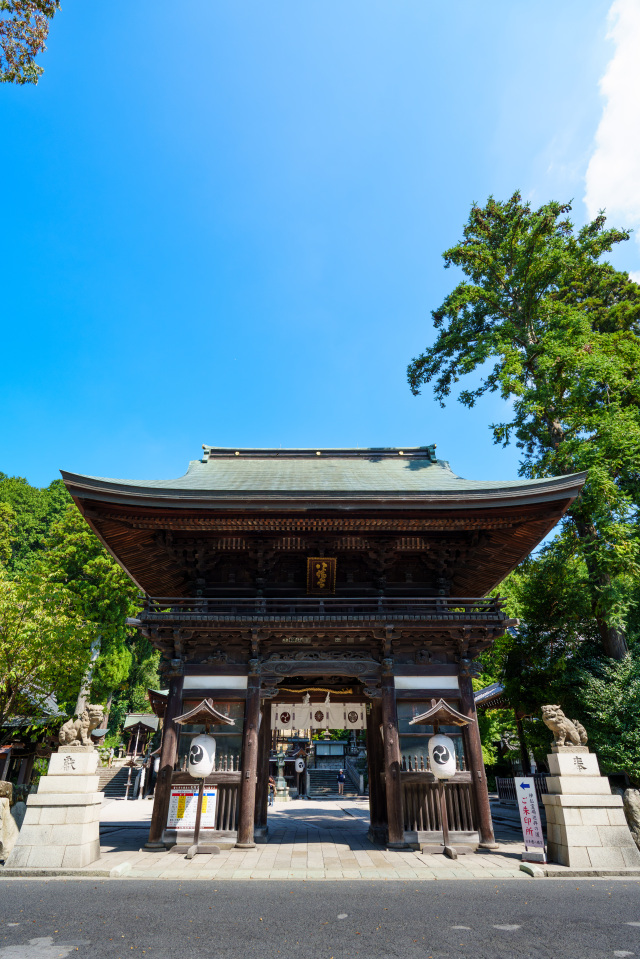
422, 807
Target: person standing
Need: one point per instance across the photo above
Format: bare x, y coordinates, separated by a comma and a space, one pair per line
341, 779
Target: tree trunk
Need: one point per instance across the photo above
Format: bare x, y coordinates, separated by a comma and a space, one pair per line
85, 689
107, 710
524, 752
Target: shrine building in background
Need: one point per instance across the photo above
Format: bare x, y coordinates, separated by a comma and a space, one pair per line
280, 577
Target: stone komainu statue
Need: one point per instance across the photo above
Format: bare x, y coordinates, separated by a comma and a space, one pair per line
565, 732
77, 732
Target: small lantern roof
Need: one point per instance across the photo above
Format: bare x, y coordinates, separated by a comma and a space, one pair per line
440, 714
204, 715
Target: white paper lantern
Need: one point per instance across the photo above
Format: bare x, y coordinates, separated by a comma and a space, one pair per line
300, 765
202, 756
442, 755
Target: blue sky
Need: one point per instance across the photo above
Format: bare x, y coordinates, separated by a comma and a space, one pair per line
223, 222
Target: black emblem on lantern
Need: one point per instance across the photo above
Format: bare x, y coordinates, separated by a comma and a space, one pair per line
441, 755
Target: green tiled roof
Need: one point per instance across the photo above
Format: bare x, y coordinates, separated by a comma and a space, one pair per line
319, 471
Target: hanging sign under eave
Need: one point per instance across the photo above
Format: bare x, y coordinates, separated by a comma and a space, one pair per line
319, 716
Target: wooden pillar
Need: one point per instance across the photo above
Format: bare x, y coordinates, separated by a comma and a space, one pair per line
375, 761
471, 735
249, 764
26, 768
168, 756
393, 785
262, 786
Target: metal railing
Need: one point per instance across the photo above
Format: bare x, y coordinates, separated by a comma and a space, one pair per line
506, 788
428, 607
354, 774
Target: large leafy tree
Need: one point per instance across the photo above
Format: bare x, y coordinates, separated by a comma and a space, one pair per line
34, 511
541, 319
24, 27
44, 645
103, 594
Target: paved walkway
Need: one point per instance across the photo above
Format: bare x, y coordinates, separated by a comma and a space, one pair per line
308, 839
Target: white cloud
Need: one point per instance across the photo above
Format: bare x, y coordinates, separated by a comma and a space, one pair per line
613, 174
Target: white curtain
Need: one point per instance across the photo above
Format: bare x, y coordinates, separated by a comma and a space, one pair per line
319, 716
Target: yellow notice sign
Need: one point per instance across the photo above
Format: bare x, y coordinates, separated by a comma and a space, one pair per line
182, 800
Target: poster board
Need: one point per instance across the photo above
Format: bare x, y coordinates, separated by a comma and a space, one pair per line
183, 803
529, 810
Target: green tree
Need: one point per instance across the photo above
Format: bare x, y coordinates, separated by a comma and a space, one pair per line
104, 595
24, 26
543, 321
611, 706
7, 532
44, 645
35, 510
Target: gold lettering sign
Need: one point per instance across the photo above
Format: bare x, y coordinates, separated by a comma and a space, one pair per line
321, 575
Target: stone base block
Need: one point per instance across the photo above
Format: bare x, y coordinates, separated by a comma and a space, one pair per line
579, 785
59, 830
573, 764
66, 763
586, 826
68, 784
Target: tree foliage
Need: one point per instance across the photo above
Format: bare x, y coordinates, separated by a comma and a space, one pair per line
24, 27
44, 645
543, 321
611, 703
35, 511
57, 570
103, 594
7, 532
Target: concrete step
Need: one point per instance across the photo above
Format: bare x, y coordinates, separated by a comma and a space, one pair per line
113, 782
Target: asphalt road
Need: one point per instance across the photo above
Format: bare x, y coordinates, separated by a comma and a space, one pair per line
116, 919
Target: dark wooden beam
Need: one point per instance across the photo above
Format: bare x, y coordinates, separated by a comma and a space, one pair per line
249, 764
168, 756
393, 784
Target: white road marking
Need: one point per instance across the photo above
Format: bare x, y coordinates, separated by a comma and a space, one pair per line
508, 928
621, 952
632, 923
461, 927
343, 915
41, 948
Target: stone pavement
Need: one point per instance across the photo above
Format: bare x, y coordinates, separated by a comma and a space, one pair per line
308, 839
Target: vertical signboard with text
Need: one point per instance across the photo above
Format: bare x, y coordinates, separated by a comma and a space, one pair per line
530, 818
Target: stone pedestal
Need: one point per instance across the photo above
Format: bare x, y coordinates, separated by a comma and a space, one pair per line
62, 820
586, 825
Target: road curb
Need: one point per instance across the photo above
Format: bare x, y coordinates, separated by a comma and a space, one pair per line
47, 872
565, 872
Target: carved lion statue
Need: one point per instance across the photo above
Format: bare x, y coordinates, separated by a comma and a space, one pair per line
563, 729
77, 732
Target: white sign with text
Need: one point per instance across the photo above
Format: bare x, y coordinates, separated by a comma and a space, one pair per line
529, 812
183, 804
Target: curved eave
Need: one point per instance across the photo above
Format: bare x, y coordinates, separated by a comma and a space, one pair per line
561, 490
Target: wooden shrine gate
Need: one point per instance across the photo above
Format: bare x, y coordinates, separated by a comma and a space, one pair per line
371, 568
